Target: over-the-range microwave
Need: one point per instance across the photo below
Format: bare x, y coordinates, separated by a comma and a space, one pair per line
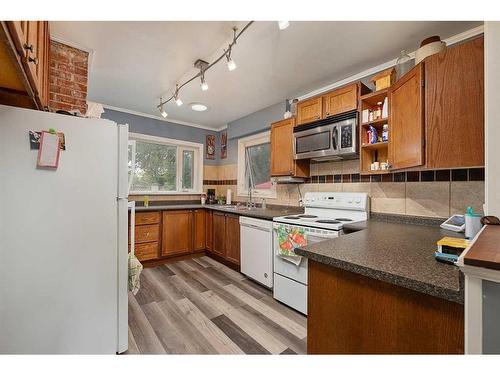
333, 138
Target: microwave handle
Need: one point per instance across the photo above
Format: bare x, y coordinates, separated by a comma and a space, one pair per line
335, 137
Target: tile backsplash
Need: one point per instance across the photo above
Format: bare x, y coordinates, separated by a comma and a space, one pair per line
438, 193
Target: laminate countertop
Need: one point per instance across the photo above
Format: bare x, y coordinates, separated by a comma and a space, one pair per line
258, 213
398, 253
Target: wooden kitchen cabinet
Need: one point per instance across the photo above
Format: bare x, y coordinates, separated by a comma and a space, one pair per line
406, 138
309, 110
340, 101
282, 161
209, 233
177, 232
219, 233
24, 57
233, 238
147, 235
454, 106
199, 228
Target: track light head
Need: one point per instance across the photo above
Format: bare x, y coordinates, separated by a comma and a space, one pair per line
162, 110
231, 65
204, 84
283, 24
178, 100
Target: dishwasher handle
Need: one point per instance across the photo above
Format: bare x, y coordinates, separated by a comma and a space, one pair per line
256, 227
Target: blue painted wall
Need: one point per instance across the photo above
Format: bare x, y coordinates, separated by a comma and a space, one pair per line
251, 124
154, 127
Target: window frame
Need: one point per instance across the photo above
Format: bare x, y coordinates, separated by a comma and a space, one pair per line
181, 146
243, 143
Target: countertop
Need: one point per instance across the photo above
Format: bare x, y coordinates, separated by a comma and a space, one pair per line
259, 213
398, 253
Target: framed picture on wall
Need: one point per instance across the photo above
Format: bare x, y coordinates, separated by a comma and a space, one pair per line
223, 145
210, 147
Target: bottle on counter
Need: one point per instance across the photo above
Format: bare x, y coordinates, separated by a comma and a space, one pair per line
146, 201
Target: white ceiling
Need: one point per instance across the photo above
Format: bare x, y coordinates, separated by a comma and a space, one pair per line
136, 62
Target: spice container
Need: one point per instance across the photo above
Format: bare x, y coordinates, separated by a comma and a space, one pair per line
377, 111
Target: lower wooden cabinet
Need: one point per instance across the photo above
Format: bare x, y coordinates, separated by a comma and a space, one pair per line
209, 233
219, 230
177, 232
163, 234
199, 234
147, 235
233, 238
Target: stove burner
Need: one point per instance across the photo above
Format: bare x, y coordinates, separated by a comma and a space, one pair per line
307, 216
343, 219
292, 217
328, 221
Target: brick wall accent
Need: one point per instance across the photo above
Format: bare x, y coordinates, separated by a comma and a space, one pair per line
68, 78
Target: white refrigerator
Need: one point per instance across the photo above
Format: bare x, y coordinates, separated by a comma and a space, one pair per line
63, 237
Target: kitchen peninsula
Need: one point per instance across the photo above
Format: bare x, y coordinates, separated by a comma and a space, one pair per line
379, 290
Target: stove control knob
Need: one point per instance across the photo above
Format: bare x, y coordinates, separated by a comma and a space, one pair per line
358, 201
350, 200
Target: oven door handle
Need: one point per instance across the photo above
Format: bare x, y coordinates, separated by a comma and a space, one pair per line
335, 134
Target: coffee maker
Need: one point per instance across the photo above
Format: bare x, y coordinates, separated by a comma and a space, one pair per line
211, 196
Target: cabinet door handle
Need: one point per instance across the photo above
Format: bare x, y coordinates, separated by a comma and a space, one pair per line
34, 60
328, 113
28, 47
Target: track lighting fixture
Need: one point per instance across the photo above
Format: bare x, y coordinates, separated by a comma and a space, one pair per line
283, 24
162, 110
204, 66
204, 84
178, 100
231, 65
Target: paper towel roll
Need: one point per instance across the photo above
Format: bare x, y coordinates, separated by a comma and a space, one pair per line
228, 196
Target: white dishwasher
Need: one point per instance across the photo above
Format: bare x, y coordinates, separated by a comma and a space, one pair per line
256, 237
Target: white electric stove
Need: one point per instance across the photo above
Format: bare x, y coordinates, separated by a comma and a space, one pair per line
324, 217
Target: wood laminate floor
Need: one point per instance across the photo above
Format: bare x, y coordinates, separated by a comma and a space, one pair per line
200, 306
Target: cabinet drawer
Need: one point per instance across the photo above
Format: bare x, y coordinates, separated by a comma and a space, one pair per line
147, 233
147, 218
146, 251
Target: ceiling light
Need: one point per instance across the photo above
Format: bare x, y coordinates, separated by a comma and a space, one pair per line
283, 24
204, 84
162, 110
231, 65
178, 100
198, 107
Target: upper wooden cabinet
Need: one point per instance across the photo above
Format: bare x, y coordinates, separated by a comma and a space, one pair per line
332, 103
282, 161
454, 106
406, 139
24, 56
309, 110
341, 100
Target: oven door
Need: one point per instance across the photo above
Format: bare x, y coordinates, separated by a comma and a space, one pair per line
315, 142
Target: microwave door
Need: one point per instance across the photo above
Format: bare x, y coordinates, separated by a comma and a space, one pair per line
315, 142
347, 137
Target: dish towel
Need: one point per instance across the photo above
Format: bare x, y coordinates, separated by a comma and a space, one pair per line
134, 273
289, 238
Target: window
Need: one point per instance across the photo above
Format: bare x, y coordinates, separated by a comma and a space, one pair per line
254, 166
164, 166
